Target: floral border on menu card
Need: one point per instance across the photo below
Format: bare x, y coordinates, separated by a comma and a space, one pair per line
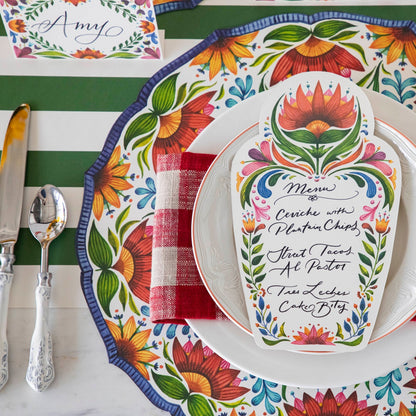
175, 370
81, 29
317, 145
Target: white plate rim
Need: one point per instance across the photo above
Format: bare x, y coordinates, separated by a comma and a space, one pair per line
199, 325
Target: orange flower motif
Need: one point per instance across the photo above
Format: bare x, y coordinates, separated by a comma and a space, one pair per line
108, 183
135, 261
204, 374
225, 53
17, 25
179, 129
313, 336
249, 223
381, 225
131, 344
398, 41
329, 405
315, 55
75, 2
317, 112
88, 53
147, 27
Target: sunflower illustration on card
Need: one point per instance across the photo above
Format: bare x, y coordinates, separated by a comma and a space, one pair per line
315, 200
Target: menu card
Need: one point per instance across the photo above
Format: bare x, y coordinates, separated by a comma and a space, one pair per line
82, 29
315, 201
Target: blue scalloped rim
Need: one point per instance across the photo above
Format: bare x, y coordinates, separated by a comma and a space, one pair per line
113, 138
176, 5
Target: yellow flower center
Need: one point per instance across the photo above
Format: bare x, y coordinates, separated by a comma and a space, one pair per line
125, 264
197, 383
169, 124
317, 127
127, 350
314, 47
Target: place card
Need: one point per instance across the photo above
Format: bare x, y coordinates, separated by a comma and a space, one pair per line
315, 200
82, 29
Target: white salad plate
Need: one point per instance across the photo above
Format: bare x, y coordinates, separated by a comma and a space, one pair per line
216, 259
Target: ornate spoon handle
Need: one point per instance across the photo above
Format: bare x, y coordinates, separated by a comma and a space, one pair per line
41, 372
6, 278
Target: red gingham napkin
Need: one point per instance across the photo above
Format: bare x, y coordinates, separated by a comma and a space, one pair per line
177, 291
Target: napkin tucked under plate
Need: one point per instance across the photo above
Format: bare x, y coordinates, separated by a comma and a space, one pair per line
177, 291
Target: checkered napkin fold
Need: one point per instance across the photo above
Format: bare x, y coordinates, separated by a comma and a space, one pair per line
177, 291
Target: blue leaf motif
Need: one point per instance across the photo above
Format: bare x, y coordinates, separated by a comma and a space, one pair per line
261, 303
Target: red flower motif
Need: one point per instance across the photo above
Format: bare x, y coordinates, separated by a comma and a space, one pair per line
330, 406
317, 112
179, 129
88, 54
205, 373
135, 261
315, 55
17, 25
313, 336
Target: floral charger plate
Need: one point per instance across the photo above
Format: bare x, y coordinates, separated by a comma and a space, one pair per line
169, 363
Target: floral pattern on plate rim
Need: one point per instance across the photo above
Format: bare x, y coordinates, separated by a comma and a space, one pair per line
172, 108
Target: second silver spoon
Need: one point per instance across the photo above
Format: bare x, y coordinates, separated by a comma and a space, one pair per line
47, 219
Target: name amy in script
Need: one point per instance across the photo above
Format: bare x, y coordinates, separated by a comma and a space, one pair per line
85, 33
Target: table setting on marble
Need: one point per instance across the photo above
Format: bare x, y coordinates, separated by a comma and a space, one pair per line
130, 332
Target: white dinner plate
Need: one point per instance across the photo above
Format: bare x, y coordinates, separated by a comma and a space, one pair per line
216, 259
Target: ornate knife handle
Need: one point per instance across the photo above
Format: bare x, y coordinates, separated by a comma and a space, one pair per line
40, 372
6, 278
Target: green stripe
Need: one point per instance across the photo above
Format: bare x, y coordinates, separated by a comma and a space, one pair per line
69, 94
198, 23
61, 252
59, 168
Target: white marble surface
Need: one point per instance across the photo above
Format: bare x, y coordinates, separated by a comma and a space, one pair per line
85, 382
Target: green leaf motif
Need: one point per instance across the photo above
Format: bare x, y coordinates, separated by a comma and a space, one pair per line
365, 259
357, 48
125, 227
273, 342
198, 406
133, 306
257, 249
170, 386
122, 296
98, 249
123, 215
107, 286
364, 271
370, 238
288, 33
339, 331
369, 249
113, 240
357, 341
172, 371
164, 95
379, 269
52, 54
258, 269
141, 125
330, 28
302, 136
256, 260
123, 55
347, 34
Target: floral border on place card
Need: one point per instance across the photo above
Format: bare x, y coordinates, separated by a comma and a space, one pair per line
81, 29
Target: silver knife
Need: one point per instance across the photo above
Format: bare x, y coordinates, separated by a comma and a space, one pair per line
12, 177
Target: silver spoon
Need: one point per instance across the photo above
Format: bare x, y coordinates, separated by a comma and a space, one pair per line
47, 219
